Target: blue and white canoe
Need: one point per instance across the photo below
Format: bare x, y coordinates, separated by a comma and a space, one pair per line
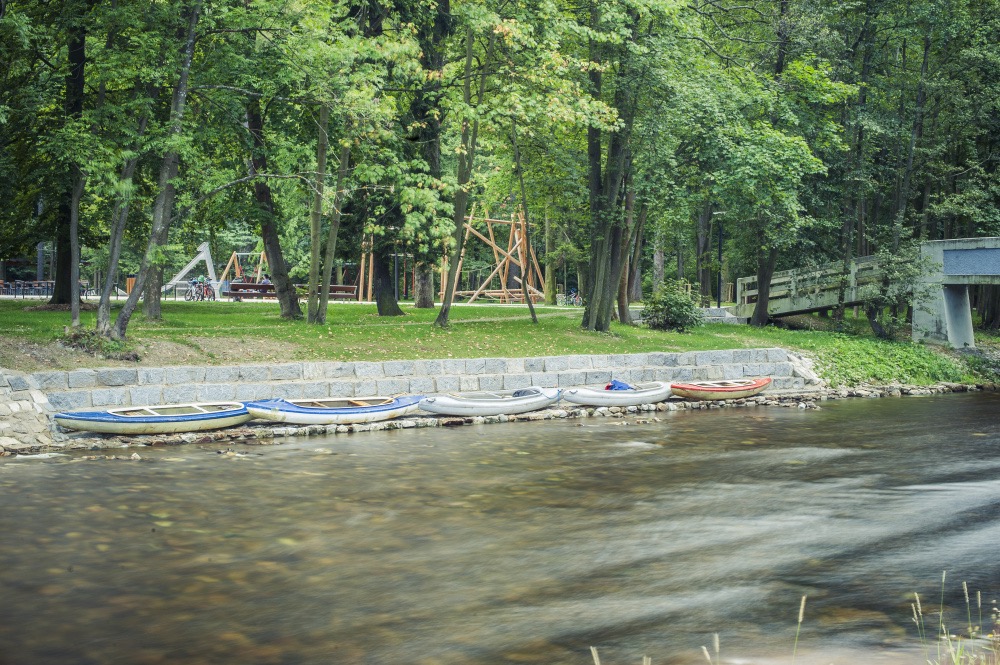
160, 419
485, 403
334, 411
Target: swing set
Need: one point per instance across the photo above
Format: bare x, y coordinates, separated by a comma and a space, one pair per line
241, 266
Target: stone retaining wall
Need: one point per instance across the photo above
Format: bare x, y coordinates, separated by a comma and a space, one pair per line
104, 388
40, 394
24, 414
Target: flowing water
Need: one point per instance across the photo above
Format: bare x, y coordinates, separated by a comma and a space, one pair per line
516, 543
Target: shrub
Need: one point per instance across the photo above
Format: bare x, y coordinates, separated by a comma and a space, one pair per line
670, 308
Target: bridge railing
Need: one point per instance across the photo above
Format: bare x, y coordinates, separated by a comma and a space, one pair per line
812, 289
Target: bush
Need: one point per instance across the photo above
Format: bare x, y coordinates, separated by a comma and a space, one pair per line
670, 308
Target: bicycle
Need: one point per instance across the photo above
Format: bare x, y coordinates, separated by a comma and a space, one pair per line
199, 291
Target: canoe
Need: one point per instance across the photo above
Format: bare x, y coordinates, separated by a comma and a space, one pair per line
634, 395
160, 419
486, 403
732, 389
334, 411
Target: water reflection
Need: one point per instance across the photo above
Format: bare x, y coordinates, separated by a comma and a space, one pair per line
519, 543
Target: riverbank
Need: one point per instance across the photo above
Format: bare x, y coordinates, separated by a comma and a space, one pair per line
33, 339
266, 435
27, 401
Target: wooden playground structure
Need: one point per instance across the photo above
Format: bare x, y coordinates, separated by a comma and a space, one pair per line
508, 241
516, 254
242, 267
513, 259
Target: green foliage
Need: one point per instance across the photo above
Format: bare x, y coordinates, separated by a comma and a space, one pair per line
850, 361
671, 308
896, 281
99, 346
818, 128
355, 332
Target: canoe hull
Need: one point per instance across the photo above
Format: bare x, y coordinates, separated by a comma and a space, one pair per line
490, 404
117, 421
296, 412
643, 393
716, 390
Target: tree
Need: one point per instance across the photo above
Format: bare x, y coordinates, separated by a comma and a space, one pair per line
150, 274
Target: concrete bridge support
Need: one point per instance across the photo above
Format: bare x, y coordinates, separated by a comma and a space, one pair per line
941, 311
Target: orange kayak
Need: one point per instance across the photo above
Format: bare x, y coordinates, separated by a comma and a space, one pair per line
730, 389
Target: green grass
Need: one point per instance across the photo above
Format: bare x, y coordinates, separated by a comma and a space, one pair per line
356, 332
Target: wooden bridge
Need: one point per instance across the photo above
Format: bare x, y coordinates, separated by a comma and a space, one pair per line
941, 311
808, 289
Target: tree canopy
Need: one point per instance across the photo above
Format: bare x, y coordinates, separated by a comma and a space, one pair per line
132, 131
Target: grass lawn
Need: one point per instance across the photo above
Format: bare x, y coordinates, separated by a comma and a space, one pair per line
227, 332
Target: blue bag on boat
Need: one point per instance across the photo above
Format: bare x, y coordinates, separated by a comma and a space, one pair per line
618, 385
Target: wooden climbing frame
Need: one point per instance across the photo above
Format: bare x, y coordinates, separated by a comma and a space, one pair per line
517, 252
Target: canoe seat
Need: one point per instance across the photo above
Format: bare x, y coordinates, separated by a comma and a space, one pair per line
358, 402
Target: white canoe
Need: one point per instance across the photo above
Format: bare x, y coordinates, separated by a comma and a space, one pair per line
160, 419
484, 403
640, 393
334, 411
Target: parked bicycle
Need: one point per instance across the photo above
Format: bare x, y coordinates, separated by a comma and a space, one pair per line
199, 291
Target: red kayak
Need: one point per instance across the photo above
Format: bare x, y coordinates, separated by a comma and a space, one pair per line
730, 389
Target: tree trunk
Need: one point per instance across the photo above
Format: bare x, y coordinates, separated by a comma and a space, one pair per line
385, 285
680, 260
119, 217
766, 261
703, 254
423, 290
427, 116
66, 289
524, 249
550, 263
877, 328
629, 240
152, 288
989, 306
168, 172
915, 135
331, 238
288, 299
316, 216
466, 162
659, 264
609, 233
635, 263
79, 180
767, 256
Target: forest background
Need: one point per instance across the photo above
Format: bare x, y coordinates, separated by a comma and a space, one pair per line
630, 133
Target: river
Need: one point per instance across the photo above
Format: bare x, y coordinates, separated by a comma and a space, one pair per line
517, 543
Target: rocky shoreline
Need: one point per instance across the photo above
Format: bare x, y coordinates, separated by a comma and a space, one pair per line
276, 434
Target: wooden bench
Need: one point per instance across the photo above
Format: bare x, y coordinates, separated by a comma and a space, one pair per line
343, 292
241, 290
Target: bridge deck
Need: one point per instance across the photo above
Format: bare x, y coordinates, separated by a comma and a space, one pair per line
808, 290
